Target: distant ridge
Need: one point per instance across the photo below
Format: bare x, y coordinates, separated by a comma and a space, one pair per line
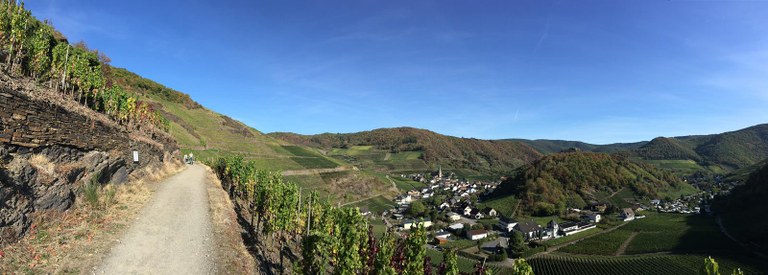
490, 156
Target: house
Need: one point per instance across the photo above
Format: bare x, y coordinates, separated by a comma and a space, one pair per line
490, 212
599, 207
627, 214
530, 229
408, 224
569, 226
456, 226
442, 235
364, 211
507, 225
453, 216
467, 211
592, 217
552, 230
440, 241
403, 199
476, 214
444, 205
477, 234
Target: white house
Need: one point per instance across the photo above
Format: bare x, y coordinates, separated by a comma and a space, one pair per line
444, 205
456, 226
403, 199
593, 217
490, 212
467, 211
507, 225
627, 214
453, 216
442, 235
408, 224
477, 234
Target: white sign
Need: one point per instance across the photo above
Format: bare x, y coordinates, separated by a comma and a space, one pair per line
135, 156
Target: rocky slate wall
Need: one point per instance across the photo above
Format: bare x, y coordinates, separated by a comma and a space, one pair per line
48, 152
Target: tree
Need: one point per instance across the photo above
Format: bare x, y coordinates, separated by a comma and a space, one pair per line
522, 267
416, 209
517, 243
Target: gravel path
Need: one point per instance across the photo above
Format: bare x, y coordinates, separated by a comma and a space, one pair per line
172, 234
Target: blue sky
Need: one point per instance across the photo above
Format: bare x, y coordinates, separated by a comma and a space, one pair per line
596, 71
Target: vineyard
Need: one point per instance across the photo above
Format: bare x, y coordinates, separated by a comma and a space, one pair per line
331, 239
659, 232
35, 49
605, 244
640, 265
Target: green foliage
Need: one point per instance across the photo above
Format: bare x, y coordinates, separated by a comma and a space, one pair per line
636, 265
415, 251
746, 202
32, 50
551, 184
333, 240
710, 267
605, 244
416, 209
91, 193
450, 263
522, 268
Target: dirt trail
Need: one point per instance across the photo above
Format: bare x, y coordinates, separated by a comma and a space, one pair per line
172, 234
623, 247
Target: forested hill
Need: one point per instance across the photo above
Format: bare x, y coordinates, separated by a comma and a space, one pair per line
549, 146
730, 150
743, 211
460, 153
574, 179
662, 148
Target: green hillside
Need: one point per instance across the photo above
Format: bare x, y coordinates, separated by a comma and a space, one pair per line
717, 153
551, 184
743, 210
410, 149
548, 146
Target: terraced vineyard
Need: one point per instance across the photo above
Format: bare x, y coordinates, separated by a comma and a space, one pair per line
643, 265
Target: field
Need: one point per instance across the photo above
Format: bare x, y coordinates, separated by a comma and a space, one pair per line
674, 232
465, 264
369, 157
605, 244
640, 265
506, 206
406, 184
579, 235
376, 205
659, 232
665, 244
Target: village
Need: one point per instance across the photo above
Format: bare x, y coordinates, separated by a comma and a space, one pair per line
454, 218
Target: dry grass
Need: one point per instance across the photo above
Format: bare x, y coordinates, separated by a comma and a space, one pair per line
42, 164
231, 254
73, 242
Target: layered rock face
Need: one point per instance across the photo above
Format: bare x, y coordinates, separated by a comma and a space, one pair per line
49, 150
